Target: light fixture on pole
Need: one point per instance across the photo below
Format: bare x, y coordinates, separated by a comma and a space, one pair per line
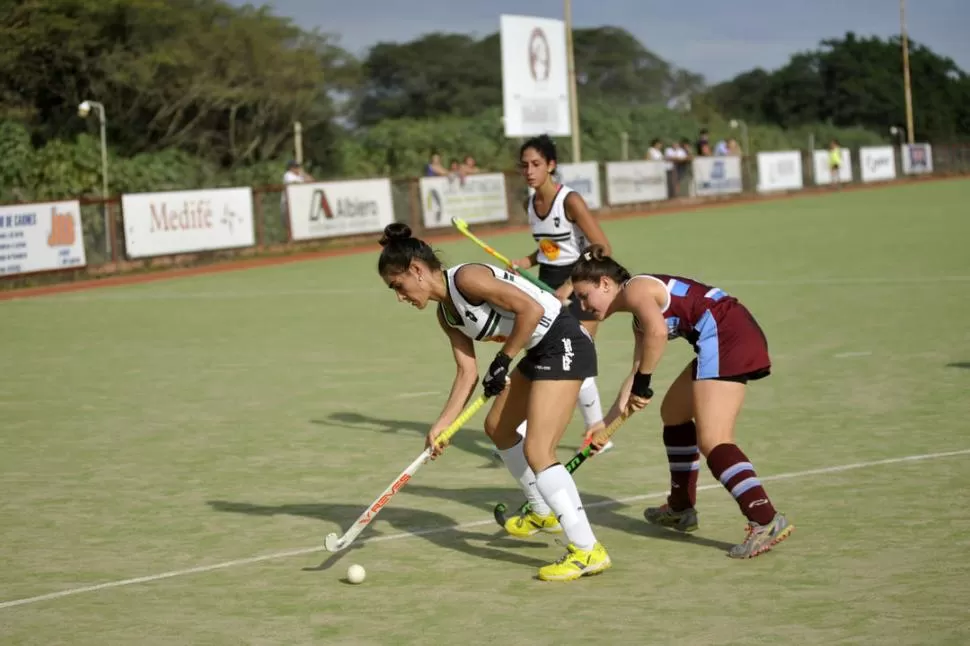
571, 65
83, 110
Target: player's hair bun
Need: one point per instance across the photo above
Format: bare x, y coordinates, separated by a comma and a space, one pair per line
595, 253
395, 232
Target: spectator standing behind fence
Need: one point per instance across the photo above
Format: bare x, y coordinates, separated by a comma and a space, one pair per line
434, 168
469, 166
835, 163
294, 175
679, 155
656, 153
703, 144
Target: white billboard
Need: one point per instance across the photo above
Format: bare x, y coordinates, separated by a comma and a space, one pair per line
917, 159
717, 175
780, 171
877, 163
535, 78
631, 182
584, 178
473, 198
330, 209
823, 172
40, 237
159, 224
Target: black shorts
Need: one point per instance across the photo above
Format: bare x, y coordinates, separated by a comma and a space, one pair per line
556, 276
565, 353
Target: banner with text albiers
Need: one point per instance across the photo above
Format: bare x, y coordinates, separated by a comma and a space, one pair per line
159, 224
779, 171
330, 209
582, 177
474, 199
535, 78
630, 182
40, 237
716, 175
823, 170
917, 159
877, 163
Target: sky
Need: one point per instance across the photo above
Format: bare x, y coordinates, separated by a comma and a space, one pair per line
716, 38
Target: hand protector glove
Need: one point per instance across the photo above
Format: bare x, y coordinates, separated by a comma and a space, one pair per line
497, 375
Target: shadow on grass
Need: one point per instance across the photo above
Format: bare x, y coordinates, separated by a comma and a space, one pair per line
433, 527
473, 441
959, 364
602, 511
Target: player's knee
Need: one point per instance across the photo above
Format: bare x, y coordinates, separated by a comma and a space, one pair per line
674, 411
709, 437
538, 456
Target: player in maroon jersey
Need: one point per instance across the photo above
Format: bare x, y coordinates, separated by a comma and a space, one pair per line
701, 406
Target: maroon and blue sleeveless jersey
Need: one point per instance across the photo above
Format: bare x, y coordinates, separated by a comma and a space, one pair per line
689, 304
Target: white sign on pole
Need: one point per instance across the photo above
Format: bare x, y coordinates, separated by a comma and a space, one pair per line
474, 199
917, 159
584, 178
631, 182
159, 224
535, 78
878, 163
823, 171
40, 237
780, 171
716, 175
330, 209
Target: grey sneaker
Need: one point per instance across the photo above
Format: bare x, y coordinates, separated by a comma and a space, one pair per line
762, 538
682, 521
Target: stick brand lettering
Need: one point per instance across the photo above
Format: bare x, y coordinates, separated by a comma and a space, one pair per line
380, 502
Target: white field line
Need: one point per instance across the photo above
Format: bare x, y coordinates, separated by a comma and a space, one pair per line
436, 530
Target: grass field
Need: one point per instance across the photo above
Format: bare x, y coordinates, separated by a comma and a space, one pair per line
191, 442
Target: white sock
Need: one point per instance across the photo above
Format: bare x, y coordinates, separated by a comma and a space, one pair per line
515, 462
521, 429
557, 487
589, 403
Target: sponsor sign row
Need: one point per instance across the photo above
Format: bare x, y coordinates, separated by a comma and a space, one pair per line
48, 236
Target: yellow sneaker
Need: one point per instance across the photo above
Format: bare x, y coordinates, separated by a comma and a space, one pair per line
577, 563
531, 523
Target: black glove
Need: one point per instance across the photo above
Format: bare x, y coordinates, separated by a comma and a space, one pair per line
641, 386
498, 372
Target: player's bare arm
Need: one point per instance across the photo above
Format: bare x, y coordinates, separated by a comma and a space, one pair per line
477, 281
466, 378
578, 213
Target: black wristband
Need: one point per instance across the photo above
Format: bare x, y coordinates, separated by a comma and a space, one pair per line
641, 385
502, 359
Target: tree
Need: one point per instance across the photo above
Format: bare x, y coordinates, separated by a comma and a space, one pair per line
854, 82
455, 75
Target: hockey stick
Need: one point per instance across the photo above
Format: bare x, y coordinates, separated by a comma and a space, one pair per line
462, 227
334, 543
602, 437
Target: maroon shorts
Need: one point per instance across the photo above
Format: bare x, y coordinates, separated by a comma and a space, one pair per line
730, 345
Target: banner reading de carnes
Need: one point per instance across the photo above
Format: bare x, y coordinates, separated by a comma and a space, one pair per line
331, 209
40, 237
629, 182
474, 199
159, 224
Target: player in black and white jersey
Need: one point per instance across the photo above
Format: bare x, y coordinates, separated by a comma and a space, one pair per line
478, 302
562, 227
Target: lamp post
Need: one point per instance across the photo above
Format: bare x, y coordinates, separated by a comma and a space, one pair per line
83, 110
907, 90
571, 65
735, 123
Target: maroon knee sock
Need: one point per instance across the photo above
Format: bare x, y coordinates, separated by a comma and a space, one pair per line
680, 441
732, 468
